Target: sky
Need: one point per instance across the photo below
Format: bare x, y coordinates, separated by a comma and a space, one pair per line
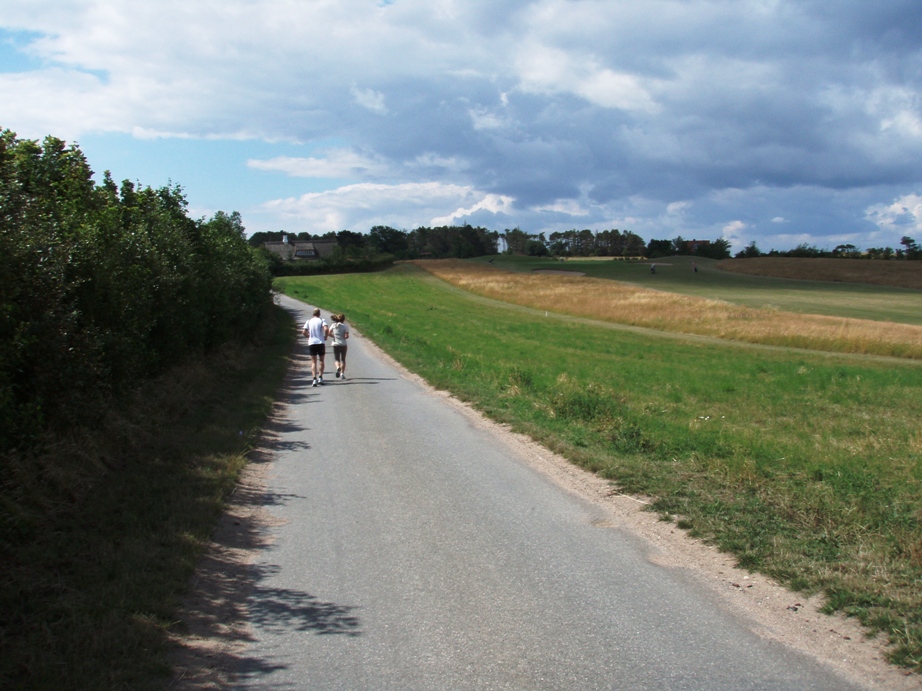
779, 122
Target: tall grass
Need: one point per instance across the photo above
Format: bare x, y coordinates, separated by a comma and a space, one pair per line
807, 467
630, 304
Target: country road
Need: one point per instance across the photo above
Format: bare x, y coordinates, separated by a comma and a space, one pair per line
406, 547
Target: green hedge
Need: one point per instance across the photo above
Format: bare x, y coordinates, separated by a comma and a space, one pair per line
102, 286
334, 265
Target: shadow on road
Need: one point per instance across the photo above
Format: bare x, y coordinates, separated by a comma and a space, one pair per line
212, 652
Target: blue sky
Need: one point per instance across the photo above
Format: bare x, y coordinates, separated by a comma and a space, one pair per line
776, 121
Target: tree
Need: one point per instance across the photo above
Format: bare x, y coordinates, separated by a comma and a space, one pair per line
848, 250
913, 250
349, 240
536, 248
718, 249
659, 248
515, 240
388, 240
751, 250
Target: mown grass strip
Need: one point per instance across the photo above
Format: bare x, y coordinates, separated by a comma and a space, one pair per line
105, 527
807, 467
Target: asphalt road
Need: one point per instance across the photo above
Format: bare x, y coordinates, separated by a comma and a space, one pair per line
411, 550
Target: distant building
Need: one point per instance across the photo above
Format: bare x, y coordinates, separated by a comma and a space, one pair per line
691, 246
299, 250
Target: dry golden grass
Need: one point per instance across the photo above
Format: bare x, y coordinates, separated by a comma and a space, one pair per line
628, 304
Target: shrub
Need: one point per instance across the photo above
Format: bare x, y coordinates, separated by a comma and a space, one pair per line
101, 286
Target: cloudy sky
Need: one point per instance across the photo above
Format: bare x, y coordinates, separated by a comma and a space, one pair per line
778, 121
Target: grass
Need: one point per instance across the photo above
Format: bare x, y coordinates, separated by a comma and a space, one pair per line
639, 306
806, 466
100, 534
832, 297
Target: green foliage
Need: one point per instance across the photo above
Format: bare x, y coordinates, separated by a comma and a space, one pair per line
101, 286
589, 243
338, 263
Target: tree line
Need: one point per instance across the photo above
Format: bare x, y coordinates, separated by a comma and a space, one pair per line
103, 285
467, 241
910, 250
423, 242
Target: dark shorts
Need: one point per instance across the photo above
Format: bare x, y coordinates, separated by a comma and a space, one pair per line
339, 353
318, 349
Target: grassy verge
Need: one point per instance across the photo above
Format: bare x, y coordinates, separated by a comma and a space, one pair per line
807, 467
101, 534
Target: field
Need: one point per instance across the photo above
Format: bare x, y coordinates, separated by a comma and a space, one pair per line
805, 464
794, 284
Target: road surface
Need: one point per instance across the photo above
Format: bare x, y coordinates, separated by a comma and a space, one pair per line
411, 550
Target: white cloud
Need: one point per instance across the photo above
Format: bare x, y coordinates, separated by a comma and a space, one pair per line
734, 232
337, 163
484, 119
568, 207
903, 216
492, 203
676, 208
363, 205
547, 70
370, 99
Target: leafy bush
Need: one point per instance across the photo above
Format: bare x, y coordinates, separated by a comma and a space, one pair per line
101, 286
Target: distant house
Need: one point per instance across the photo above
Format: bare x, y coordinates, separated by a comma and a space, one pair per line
692, 246
299, 250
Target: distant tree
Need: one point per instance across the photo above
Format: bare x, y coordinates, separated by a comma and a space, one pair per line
913, 250
678, 245
347, 239
257, 239
804, 250
633, 245
751, 250
659, 248
535, 248
847, 251
515, 240
879, 252
388, 240
718, 249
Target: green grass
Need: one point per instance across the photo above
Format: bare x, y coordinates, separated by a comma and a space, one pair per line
674, 274
807, 467
100, 534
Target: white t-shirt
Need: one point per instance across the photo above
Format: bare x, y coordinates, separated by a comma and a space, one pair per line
315, 331
339, 332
